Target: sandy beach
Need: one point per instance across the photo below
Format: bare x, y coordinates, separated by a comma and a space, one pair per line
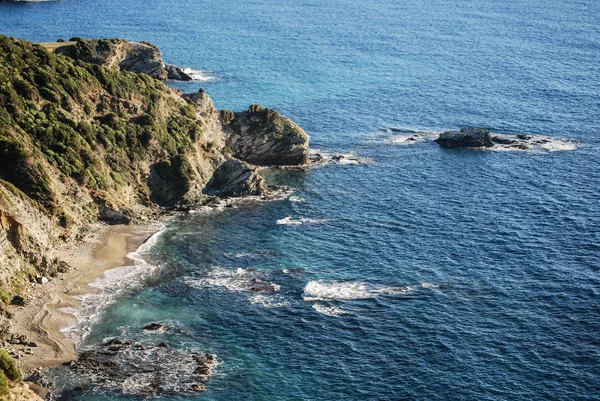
43, 317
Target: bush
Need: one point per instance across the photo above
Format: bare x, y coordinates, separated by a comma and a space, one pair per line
4, 390
9, 367
227, 116
4, 297
255, 108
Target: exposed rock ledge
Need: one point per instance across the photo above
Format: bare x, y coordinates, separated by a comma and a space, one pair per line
262, 136
138, 57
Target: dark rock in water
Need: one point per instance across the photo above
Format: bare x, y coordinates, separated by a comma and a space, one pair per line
465, 138
154, 327
142, 370
18, 301
262, 136
236, 178
524, 137
261, 286
177, 73
503, 141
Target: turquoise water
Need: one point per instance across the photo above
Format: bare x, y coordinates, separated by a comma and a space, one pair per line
423, 274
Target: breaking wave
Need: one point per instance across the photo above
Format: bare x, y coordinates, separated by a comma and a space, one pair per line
291, 221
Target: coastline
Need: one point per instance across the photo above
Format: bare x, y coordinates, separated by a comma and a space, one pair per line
49, 307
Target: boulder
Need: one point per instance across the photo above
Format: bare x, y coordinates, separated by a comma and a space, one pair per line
465, 138
236, 178
177, 73
264, 137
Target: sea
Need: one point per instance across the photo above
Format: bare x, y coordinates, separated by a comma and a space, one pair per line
409, 272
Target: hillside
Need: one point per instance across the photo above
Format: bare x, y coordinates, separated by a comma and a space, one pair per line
82, 143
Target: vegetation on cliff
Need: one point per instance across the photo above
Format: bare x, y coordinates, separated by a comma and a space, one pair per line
93, 124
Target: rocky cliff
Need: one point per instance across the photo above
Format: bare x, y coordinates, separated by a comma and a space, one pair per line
138, 57
82, 140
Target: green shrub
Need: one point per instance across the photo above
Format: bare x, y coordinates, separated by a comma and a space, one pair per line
4, 297
226, 116
4, 389
9, 367
255, 108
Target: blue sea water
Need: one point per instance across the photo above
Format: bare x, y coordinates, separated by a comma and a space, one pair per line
424, 274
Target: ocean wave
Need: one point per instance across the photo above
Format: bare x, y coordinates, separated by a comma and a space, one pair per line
238, 280
319, 158
269, 302
328, 310
347, 290
296, 199
200, 75
321, 290
291, 221
111, 284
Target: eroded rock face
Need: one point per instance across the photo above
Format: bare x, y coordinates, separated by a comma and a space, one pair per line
142, 370
264, 137
236, 178
465, 138
138, 57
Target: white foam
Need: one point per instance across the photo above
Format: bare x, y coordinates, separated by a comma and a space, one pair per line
111, 284
291, 221
321, 290
200, 75
321, 158
239, 280
328, 310
345, 290
430, 285
268, 301
296, 199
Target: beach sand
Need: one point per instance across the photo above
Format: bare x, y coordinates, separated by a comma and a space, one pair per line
42, 318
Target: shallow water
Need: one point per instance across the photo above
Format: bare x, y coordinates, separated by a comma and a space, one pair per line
423, 274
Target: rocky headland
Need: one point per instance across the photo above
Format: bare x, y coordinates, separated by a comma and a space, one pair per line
89, 136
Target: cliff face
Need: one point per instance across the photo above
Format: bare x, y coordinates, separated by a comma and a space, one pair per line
262, 136
81, 142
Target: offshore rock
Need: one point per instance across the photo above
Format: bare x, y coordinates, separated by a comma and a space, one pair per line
177, 73
465, 138
236, 178
264, 137
143, 370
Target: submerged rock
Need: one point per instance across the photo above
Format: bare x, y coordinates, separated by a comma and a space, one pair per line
262, 136
465, 138
154, 327
236, 178
142, 370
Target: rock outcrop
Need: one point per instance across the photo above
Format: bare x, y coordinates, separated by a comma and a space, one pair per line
465, 138
138, 57
143, 370
235, 178
264, 137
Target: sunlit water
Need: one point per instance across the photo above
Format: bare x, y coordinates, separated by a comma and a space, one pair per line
423, 274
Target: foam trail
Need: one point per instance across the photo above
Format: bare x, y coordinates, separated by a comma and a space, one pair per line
328, 310
200, 75
290, 221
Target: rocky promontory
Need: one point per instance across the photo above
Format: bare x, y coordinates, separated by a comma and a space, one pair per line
138, 57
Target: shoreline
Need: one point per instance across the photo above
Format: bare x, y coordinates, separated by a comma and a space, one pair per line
50, 307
